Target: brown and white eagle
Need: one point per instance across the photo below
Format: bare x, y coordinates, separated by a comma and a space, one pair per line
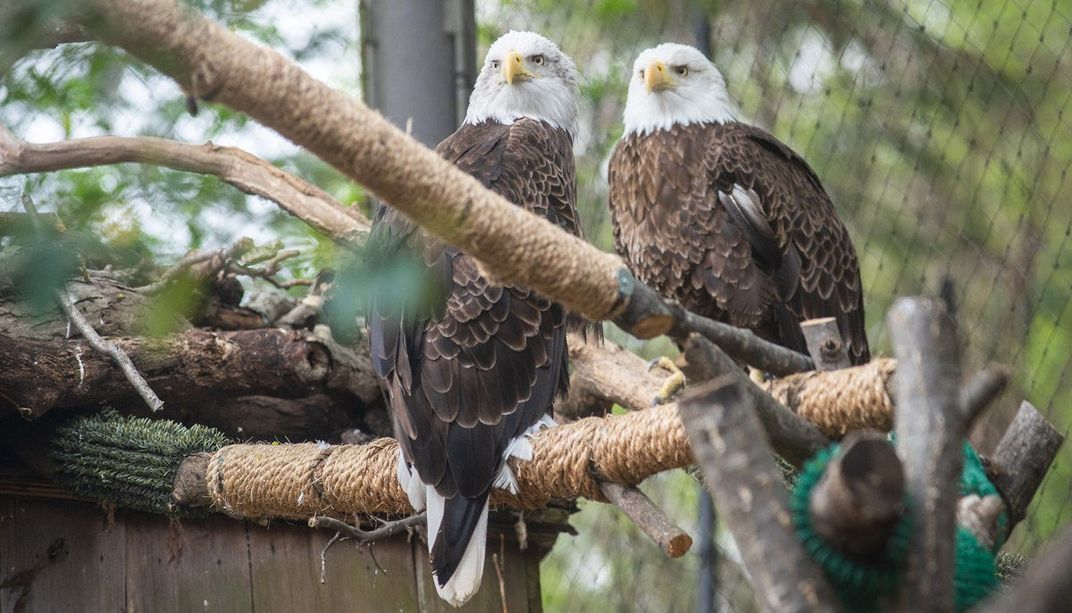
723, 217
471, 367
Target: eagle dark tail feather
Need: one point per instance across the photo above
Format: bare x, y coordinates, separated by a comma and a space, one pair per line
460, 529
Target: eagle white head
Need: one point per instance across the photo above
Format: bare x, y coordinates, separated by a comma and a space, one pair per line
672, 85
525, 75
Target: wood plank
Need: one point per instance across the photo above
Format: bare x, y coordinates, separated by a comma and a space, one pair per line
198, 565
8, 530
490, 597
87, 572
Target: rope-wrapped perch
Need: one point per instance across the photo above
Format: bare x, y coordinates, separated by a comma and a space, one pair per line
308, 479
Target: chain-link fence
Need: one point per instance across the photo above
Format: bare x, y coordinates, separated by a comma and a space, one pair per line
942, 132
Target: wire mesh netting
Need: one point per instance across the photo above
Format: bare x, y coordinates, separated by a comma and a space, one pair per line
941, 130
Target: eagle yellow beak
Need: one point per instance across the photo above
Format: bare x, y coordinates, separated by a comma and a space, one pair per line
656, 77
513, 68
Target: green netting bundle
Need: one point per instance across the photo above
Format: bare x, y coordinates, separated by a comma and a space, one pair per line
128, 461
863, 584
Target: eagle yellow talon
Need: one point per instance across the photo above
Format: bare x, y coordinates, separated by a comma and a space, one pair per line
672, 385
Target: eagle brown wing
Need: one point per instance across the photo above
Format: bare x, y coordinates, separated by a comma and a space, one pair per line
475, 369
736, 226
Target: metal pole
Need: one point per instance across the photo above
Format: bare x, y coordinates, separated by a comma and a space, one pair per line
418, 62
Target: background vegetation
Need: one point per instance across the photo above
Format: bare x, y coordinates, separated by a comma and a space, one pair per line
941, 128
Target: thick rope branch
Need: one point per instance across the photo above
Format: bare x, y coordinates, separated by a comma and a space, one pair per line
241, 169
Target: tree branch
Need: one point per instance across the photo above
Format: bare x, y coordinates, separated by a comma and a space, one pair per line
930, 429
1023, 456
387, 530
241, 169
731, 447
791, 436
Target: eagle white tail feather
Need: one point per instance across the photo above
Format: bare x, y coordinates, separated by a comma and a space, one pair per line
411, 483
519, 448
466, 579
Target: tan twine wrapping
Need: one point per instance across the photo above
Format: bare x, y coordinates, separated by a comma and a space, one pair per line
308, 479
301, 480
841, 401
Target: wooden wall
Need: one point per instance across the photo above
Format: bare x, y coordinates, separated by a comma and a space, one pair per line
66, 556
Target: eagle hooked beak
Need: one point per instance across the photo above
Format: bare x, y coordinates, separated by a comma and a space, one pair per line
513, 68
656, 77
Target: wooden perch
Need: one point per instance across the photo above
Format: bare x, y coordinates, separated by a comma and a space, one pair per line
739, 470
649, 518
1023, 456
38, 376
241, 169
930, 429
791, 436
859, 500
827, 349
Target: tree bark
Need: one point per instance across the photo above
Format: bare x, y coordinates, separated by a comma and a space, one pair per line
731, 447
827, 349
791, 436
1023, 456
930, 429
197, 364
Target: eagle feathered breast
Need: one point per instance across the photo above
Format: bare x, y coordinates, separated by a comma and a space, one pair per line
730, 222
475, 368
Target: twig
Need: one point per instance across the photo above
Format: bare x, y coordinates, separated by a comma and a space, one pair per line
222, 256
367, 536
739, 470
982, 389
335, 538
502, 583
930, 428
241, 169
75, 317
740, 343
107, 348
649, 518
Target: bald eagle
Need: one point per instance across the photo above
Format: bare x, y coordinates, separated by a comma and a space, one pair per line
723, 217
469, 374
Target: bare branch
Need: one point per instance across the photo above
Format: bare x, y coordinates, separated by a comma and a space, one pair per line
109, 349
930, 429
792, 437
987, 384
365, 537
241, 169
649, 518
1022, 458
66, 303
739, 470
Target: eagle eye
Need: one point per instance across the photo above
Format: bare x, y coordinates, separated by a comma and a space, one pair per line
495, 64
682, 71
537, 59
